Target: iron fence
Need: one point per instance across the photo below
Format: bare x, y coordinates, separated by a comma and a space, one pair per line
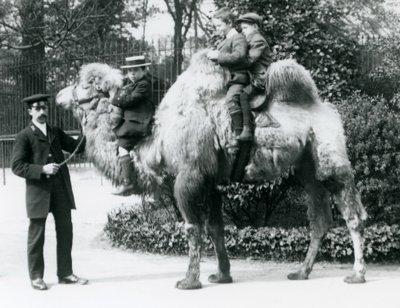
22, 75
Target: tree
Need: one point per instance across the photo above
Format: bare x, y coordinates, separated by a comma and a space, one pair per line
41, 29
63, 23
182, 12
323, 35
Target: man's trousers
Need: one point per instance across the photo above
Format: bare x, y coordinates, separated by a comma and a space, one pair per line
36, 234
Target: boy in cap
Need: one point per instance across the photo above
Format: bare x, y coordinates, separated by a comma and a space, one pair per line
231, 53
132, 113
37, 154
258, 59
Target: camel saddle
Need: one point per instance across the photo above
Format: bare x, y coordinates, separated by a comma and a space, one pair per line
258, 102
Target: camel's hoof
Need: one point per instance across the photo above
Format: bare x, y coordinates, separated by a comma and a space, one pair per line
298, 276
220, 278
187, 284
355, 279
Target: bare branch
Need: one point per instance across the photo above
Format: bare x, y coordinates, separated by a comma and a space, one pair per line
189, 18
170, 10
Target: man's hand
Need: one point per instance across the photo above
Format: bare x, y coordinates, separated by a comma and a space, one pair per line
213, 55
50, 169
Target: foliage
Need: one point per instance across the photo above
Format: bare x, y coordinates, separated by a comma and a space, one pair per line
318, 33
250, 204
384, 78
372, 125
58, 24
127, 228
278, 203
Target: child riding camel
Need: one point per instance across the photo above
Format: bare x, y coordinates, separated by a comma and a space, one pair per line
132, 111
257, 60
231, 53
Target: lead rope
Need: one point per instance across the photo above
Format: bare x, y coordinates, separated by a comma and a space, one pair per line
65, 161
76, 106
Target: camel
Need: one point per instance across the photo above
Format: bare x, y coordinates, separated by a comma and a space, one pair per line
189, 142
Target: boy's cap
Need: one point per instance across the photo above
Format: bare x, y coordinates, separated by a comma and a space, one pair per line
251, 18
135, 61
35, 98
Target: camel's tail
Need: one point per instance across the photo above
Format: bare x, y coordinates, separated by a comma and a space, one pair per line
289, 81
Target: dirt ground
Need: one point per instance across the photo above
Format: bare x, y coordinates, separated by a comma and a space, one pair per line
125, 279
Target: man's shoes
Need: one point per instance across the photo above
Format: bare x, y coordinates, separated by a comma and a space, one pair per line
73, 279
38, 284
124, 190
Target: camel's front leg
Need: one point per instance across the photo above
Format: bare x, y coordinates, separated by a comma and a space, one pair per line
191, 281
188, 192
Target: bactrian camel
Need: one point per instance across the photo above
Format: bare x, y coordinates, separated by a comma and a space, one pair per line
191, 130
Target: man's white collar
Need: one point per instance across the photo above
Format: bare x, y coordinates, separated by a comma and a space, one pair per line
41, 126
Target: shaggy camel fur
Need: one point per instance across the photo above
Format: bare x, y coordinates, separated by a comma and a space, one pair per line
192, 128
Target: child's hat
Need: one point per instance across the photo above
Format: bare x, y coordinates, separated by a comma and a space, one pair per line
251, 18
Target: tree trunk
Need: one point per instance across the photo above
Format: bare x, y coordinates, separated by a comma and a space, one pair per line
33, 75
178, 48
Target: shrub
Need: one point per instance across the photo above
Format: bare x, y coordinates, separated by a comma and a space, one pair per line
252, 205
372, 126
384, 78
127, 228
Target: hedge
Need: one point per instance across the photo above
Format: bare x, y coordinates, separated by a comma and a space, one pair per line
126, 228
372, 126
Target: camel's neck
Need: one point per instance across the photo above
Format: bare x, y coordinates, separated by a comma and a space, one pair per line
101, 145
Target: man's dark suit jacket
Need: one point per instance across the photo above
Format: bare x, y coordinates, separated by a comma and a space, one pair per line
32, 150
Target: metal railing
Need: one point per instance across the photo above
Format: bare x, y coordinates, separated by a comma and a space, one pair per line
6, 145
21, 76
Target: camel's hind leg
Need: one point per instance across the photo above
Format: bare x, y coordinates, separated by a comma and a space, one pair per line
348, 201
188, 191
320, 216
215, 228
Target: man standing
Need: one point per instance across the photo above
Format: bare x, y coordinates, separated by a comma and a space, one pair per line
37, 154
132, 113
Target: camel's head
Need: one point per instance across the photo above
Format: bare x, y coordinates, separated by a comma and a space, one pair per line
95, 80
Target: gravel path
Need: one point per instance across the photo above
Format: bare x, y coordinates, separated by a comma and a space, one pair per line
124, 279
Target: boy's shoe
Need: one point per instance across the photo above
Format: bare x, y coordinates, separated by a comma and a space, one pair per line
246, 135
124, 190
